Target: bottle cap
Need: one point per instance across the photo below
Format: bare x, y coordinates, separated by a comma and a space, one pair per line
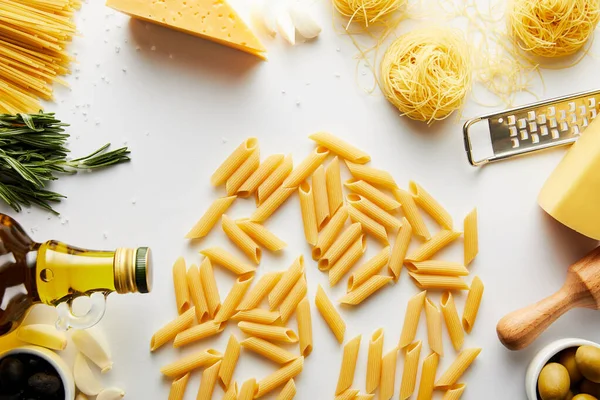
132, 270
143, 270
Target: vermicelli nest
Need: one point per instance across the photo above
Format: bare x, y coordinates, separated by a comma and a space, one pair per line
426, 73
367, 11
552, 28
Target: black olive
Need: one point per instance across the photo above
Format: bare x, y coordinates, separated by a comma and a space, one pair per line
43, 383
15, 396
12, 374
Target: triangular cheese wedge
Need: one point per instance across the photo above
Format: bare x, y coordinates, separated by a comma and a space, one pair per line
214, 20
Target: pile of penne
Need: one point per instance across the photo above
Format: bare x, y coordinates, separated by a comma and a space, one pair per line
372, 207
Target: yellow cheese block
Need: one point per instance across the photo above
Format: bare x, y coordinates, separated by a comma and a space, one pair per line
572, 193
209, 19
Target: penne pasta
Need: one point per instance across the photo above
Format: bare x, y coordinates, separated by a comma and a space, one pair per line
170, 330
374, 212
256, 295
472, 304
241, 239
319, 185
304, 320
268, 332
197, 293
275, 180
330, 233
431, 206
208, 381
270, 205
428, 373
411, 212
462, 362
370, 192
265, 169
333, 178
374, 360
369, 269
349, 394
434, 327
364, 397
340, 246
388, 375
232, 392
435, 244
221, 257
233, 299
400, 249
411, 367
198, 332
455, 392
471, 244
261, 235
372, 175
365, 290
286, 283
258, 315
241, 175
191, 362
440, 282
330, 315
234, 161
182, 293
340, 147
229, 362
437, 267
209, 285
309, 216
455, 329
411, 319
369, 225
306, 168
291, 301
348, 367
348, 260
248, 390
210, 218
280, 377
268, 350
288, 392
178, 387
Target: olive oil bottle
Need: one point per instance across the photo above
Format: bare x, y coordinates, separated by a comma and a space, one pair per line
54, 273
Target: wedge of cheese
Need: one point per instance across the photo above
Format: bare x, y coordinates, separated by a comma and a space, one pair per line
214, 20
572, 193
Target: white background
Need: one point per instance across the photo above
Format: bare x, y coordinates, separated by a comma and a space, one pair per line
185, 106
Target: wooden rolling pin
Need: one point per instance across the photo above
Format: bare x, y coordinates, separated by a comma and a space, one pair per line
519, 329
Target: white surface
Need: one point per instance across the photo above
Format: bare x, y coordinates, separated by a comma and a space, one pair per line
185, 106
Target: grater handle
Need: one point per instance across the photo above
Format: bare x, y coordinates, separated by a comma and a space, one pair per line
468, 144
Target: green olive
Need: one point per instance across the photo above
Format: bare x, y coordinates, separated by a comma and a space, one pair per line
554, 382
584, 397
567, 358
588, 362
588, 387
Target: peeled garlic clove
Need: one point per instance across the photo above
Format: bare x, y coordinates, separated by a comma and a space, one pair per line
286, 27
81, 396
94, 347
304, 22
43, 335
111, 394
263, 16
85, 380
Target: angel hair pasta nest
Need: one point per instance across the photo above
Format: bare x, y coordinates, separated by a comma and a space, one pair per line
426, 73
552, 28
367, 11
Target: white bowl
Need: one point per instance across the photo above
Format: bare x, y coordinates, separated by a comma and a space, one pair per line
64, 372
542, 358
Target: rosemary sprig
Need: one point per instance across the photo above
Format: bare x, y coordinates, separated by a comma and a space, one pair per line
33, 152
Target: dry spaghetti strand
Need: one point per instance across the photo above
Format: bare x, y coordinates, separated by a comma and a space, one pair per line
367, 12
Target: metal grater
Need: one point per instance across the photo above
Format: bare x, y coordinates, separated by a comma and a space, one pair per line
536, 126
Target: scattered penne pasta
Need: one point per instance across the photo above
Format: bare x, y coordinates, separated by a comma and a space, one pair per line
348, 367
340, 147
304, 327
434, 327
369, 225
428, 373
369, 269
437, 267
365, 290
471, 244
261, 235
388, 375
374, 361
241, 175
411, 367
435, 244
288, 392
440, 282
455, 329
411, 319
241, 239
472, 304
330, 315
348, 260
372, 175
455, 392
364, 396
286, 283
210, 218
229, 362
268, 350
462, 362
182, 293
197, 293
280, 377
270, 205
209, 286
190, 363
248, 390
233, 299
431, 206
306, 168
319, 186
382, 217
275, 180
400, 249
269, 332
291, 301
265, 169
349, 394
309, 216
330, 233
231, 393
333, 178
411, 212
208, 381
198, 332
221, 257
375, 195
258, 315
178, 387
234, 161
260, 291
340, 246
170, 330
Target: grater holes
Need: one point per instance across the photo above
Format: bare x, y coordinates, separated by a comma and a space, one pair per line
531, 115
522, 123
553, 123
535, 138
571, 107
515, 143
573, 118
544, 130
582, 111
524, 135
532, 127
500, 120
555, 134
592, 102
541, 119
551, 111
562, 115
592, 113
564, 126
513, 131
576, 130
511, 120
584, 122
